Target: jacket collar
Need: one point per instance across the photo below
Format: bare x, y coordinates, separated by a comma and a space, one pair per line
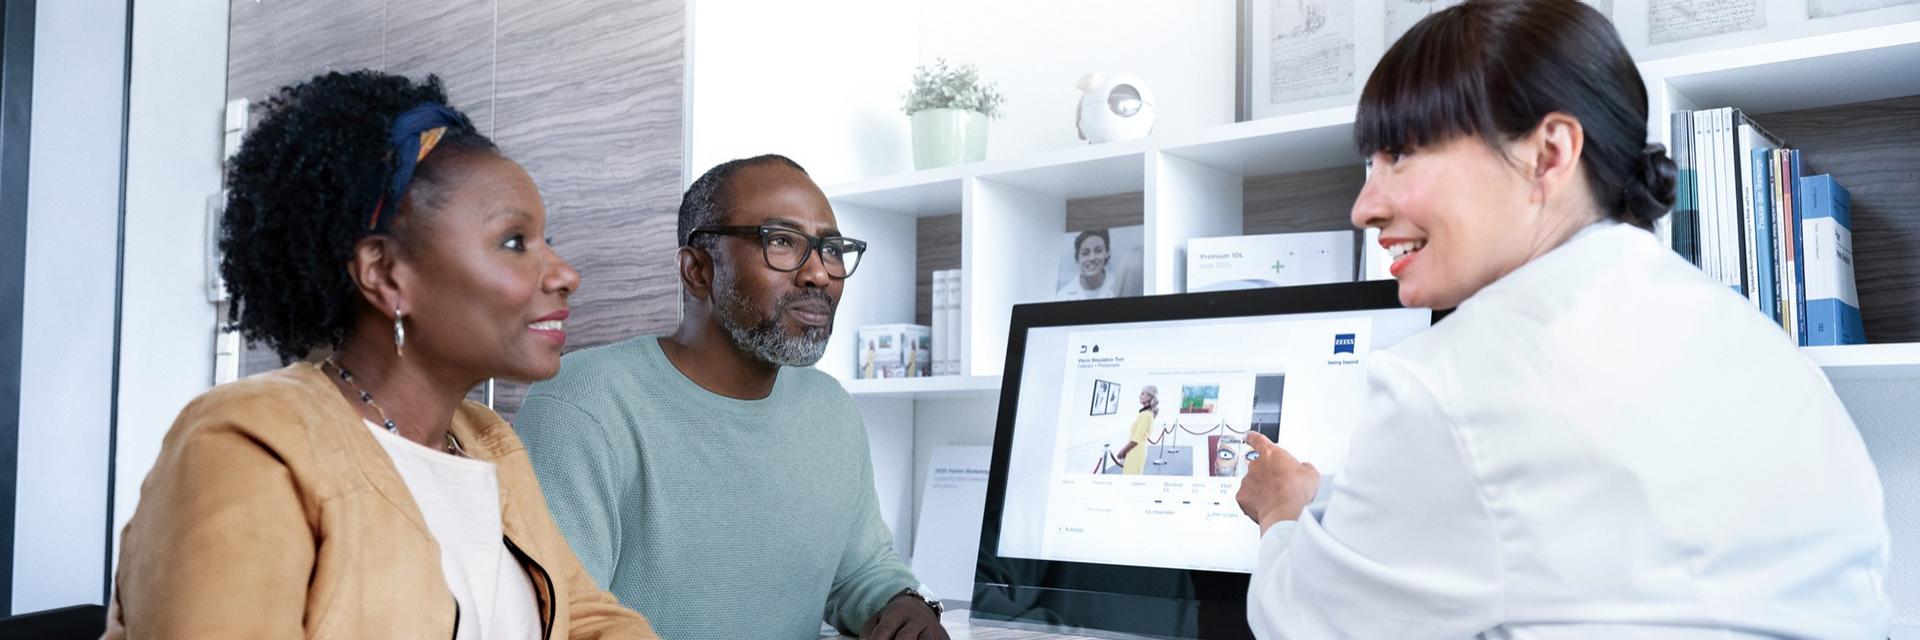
338, 430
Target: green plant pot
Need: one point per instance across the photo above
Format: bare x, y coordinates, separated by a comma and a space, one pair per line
944, 137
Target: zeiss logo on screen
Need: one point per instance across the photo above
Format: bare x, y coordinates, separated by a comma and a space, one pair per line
1342, 343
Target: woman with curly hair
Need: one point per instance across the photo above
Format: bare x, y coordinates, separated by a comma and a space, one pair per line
376, 235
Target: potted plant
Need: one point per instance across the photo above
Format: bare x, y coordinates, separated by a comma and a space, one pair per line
950, 107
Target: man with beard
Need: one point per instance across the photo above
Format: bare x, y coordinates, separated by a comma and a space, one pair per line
711, 478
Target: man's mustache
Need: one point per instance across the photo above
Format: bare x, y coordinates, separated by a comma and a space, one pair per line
811, 295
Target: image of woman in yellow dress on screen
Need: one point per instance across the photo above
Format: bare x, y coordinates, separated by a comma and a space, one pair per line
1134, 455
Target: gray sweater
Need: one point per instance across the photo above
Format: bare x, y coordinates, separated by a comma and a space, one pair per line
716, 518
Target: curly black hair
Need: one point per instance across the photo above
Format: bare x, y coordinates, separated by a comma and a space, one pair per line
301, 189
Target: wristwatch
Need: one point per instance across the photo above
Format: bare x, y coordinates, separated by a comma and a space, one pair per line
924, 594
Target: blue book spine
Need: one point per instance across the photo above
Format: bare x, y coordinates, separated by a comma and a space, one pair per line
1833, 302
1762, 192
1795, 171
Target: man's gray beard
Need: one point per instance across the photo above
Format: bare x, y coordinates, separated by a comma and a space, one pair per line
765, 339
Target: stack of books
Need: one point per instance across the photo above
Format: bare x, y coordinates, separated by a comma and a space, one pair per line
946, 322
1749, 216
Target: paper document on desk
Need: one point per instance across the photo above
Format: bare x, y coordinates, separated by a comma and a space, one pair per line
946, 542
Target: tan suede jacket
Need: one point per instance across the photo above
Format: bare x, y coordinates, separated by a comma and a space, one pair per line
273, 513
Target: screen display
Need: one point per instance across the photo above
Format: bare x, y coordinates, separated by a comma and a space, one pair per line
1129, 440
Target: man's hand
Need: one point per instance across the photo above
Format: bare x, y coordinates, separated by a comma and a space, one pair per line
906, 617
1277, 486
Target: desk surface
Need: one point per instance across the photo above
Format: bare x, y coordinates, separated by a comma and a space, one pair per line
960, 627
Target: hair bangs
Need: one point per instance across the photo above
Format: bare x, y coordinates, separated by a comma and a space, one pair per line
1430, 87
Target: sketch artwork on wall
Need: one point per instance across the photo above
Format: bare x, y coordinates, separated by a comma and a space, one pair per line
1676, 20
1403, 14
1311, 50
1831, 8
1298, 55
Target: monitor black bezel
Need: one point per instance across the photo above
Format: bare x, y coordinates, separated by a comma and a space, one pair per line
1212, 603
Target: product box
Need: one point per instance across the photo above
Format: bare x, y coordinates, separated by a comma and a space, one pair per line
894, 351
1277, 260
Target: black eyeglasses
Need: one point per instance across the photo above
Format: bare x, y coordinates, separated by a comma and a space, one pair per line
787, 250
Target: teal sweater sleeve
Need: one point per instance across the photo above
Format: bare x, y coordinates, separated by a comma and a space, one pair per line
582, 475
870, 572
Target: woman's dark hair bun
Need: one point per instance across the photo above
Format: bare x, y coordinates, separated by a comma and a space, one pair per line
1649, 192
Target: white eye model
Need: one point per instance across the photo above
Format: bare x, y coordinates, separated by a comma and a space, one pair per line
1114, 108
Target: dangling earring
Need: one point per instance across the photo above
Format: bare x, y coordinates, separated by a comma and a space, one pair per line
399, 334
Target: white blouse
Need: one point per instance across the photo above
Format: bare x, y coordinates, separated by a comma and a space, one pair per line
1602, 444
460, 498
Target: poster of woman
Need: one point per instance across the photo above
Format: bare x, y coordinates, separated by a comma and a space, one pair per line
1101, 263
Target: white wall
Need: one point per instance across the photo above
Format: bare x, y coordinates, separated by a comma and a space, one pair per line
967, 422
66, 357
817, 81
173, 163
1036, 51
890, 445
822, 82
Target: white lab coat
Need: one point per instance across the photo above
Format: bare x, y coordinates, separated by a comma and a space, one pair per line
1602, 444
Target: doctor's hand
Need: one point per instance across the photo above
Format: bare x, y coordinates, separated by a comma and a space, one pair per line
1277, 487
906, 617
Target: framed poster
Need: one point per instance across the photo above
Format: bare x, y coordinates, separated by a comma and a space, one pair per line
1295, 55
1106, 398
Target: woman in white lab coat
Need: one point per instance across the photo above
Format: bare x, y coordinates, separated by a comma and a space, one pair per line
1599, 442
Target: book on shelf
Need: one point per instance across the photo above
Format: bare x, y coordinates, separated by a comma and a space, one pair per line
1795, 172
1747, 215
1756, 229
1784, 167
939, 322
946, 322
1684, 219
955, 324
1833, 300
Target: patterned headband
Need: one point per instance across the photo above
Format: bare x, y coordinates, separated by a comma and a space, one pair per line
415, 134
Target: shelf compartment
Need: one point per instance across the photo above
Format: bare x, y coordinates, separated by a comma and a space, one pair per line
1815, 71
920, 194
934, 388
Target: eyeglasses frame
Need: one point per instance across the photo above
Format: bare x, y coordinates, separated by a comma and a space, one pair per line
815, 244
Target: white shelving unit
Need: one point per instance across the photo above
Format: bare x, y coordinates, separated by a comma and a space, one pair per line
1869, 362
1013, 209
940, 388
1191, 185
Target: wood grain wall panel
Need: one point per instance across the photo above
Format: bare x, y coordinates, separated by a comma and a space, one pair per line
1106, 212
1872, 149
274, 43
588, 96
259, 358
449, 38
1319, 200
937, 243
507, 396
